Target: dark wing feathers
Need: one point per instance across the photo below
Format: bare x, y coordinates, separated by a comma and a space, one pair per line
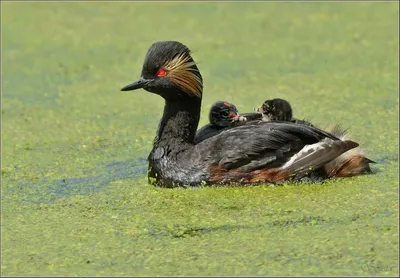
303, 122
206, 132
266, 143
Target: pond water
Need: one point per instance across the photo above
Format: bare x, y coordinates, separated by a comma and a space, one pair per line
75, 198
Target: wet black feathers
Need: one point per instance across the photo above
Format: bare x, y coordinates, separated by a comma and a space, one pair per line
271, 143
218, 121
277, 109
159, 54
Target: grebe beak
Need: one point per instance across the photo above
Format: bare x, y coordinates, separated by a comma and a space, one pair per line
141, 83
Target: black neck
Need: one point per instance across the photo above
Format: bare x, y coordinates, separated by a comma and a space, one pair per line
179, 122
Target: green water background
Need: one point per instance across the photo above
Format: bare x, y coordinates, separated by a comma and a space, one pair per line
75, 200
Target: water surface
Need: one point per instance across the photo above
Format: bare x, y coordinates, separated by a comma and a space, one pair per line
75, 199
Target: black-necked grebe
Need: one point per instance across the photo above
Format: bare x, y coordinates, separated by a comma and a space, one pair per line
257, 152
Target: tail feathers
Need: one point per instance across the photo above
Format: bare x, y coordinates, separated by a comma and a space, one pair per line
339, 131
348, 166
367, 160
317, 155
350, 163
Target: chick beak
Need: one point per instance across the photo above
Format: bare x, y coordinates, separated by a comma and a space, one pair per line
236, 117
259, 110
141, 83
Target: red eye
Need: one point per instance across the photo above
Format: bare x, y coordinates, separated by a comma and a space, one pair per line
161, 72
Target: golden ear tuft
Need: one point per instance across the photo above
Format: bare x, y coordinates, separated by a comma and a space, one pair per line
181, 72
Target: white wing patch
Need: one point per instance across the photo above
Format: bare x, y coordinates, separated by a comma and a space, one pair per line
306, 151
318, 154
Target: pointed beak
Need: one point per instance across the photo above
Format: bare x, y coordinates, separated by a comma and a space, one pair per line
259, 110
252, 116
141, 83
237, 117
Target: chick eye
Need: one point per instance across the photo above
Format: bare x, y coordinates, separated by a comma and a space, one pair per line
161, 72
225, 113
